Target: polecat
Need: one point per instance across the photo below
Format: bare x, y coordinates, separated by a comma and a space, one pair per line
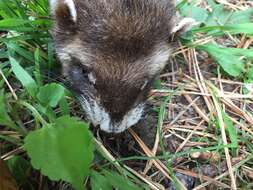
112, 51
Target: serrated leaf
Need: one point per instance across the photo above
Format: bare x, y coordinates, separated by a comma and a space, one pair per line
231, 63
22, 75
190, 10
63, 151
244, 16
221, 16
51, 94
99, 182
221, 20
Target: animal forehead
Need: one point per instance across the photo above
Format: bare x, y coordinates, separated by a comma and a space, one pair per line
120, 74
125, 7
128, 24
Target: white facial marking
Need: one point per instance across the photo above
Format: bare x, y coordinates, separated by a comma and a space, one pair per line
92, 79
98, 116
158, 59
53, 4
131, 118
144, 85
76, 49
69, 3
95, 113
64, 56
185, 24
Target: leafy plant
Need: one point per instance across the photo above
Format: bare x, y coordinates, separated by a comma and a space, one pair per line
59, 144
108, 180
220, 21
51, 151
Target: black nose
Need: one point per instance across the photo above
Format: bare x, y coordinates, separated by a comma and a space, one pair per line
117, 116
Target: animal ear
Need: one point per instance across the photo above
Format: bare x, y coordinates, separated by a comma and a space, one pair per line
64, 11
183, 25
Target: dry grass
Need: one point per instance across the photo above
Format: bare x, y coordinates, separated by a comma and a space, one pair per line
193, 113
192, 136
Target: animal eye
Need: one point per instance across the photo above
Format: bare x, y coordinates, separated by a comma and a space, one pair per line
82, 72
85, 71
88, 75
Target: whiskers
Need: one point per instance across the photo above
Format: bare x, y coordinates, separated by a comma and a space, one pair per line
56, 77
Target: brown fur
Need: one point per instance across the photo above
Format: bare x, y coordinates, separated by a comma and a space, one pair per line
112, 38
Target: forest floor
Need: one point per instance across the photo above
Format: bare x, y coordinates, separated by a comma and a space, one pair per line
198, 130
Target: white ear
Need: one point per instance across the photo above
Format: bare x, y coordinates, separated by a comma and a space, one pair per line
58, 4
184, 25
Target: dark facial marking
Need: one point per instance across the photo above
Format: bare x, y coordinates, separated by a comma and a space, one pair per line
118, 35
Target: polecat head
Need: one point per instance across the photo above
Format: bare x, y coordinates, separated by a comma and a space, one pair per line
111, 51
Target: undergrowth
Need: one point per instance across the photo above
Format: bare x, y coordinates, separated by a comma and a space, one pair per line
42, 132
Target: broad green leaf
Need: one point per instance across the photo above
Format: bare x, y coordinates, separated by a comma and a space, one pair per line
231, 130
119, 182
63, 151
48, 111
232, 64
250, 74
22, 75
221, 16
190, 10
241, 17
212, 3
51, 94
99, 182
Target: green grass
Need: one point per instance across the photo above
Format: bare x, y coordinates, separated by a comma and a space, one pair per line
36, 129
